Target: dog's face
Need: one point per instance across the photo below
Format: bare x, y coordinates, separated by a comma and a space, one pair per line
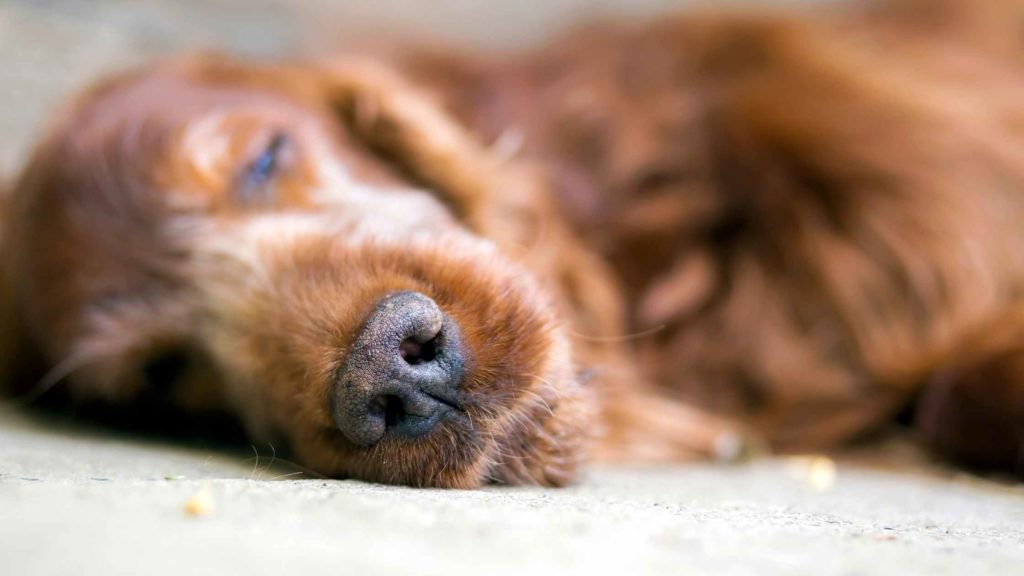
311, 249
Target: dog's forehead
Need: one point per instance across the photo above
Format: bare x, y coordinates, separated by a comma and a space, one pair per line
176, 92
155, 105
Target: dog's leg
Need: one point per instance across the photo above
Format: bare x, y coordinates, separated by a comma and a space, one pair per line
647, 427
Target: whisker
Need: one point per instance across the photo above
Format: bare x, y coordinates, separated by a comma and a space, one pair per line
304, 470
56, 374
623, 338
286, 475
540, 399
273, 457
252, 475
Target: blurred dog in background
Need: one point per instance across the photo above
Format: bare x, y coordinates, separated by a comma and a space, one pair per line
667, 237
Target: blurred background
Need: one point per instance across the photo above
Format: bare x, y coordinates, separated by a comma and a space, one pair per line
49, 48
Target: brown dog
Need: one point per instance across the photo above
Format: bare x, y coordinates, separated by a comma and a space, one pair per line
815, 221
322, 252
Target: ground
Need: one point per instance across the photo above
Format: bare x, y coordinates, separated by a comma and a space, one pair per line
85, 500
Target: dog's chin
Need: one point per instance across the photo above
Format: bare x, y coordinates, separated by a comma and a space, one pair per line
540, 438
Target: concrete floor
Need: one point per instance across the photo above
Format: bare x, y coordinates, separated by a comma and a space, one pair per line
79, 500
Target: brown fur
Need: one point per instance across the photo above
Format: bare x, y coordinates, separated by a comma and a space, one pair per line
816, 214
796, 223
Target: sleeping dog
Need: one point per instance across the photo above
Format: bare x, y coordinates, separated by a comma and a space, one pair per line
645, 242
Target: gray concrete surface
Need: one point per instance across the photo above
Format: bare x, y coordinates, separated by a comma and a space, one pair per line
84, 501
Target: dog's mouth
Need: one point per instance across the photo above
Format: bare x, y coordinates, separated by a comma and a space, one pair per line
425, 399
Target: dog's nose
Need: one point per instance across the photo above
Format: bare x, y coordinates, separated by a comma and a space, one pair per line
403, 372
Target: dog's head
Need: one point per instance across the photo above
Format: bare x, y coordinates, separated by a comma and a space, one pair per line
319, 250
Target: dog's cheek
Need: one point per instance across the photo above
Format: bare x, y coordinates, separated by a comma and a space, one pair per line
550, 438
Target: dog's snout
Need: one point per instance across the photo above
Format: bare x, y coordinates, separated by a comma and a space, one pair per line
403, 372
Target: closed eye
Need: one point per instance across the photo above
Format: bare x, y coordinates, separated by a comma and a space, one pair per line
260, 173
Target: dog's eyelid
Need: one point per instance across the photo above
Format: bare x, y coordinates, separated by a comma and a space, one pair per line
266, 165
259, 173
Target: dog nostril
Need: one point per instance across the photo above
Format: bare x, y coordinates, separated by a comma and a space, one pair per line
414, 352
390, 407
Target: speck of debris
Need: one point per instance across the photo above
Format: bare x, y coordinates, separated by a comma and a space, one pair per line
819, 472
201, 503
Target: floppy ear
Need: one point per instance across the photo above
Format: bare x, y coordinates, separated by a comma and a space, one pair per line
76, 297
407, 128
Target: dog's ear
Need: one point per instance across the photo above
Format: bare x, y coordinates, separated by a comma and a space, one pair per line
88, 286
401, 124
406, 127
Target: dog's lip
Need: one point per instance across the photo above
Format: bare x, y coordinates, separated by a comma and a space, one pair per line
453, 402
453, 408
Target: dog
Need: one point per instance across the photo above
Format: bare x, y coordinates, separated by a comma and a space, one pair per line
320, 251
645, 242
